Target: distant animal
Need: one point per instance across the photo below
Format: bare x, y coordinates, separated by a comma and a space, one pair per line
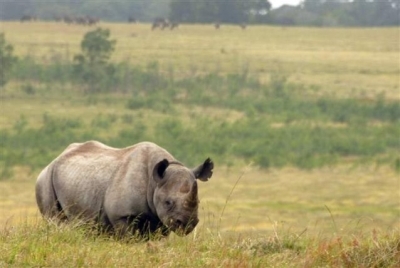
68, 19
82, 20
217, 25
28, 18
141, 189
132, 19
57, 18
91, 20
243, 26
173, 25
161, 23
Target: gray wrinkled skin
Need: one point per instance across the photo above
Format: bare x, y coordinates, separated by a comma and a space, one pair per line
139, 189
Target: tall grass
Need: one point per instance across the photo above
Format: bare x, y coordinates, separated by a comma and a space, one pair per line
46, 244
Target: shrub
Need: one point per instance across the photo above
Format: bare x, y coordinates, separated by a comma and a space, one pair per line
92, 66
7, 60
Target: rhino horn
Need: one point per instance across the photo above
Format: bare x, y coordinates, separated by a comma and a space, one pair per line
192, 196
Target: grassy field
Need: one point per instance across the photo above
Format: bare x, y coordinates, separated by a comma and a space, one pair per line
343, 62
344, 213
329, 217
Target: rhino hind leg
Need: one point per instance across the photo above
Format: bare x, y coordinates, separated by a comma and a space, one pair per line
127, 226
46, 198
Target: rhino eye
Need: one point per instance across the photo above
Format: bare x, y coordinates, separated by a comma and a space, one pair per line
169, 203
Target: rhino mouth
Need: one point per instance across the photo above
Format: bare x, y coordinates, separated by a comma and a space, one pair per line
182, 227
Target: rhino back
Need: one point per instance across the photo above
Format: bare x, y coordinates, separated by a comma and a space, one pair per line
81, 176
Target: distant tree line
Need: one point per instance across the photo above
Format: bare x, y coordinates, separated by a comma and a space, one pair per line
342, 13
308, 12
115, 10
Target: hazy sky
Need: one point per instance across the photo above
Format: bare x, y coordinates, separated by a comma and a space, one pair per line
278, 3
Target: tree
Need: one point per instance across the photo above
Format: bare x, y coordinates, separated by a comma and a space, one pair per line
193, 11
386, 12
7, 60
231, 11
259, 11
96, 46
92, 67
260, 7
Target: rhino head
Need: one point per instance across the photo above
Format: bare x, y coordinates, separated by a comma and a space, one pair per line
175, 196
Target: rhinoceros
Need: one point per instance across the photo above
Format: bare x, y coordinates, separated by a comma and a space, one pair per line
141, 189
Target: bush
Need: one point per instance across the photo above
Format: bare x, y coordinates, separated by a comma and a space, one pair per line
7, 60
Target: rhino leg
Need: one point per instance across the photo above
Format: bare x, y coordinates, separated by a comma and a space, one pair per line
126, 226
143, 226
123, 226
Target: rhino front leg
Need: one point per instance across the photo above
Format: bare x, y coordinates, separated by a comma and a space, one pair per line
124, 226
142, 226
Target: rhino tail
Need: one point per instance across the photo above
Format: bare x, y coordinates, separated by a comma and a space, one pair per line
58, 211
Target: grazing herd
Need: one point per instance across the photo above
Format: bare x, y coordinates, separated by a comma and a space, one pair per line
26, 18
163, 23
158, 23
80, 20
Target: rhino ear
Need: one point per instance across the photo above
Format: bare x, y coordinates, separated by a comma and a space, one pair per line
159, 169
204, 171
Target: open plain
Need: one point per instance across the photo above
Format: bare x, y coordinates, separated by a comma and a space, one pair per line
302, 124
